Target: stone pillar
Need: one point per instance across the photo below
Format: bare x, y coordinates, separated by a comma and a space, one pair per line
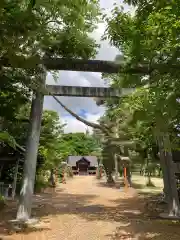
27, 190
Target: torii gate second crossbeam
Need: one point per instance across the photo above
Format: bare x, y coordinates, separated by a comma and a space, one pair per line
73, 91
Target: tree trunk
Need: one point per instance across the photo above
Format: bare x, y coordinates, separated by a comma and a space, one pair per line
108, 169
126, 151
164, 169
149, 182
15, 180
26, 194
116, 167
167, 165
110, 179
108, 162
142, 170
159, 172
174, 206
1, 168
149, 172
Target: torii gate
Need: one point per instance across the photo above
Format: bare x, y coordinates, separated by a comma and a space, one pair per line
24, 210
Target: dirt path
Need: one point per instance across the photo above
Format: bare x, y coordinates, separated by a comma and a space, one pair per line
86, 209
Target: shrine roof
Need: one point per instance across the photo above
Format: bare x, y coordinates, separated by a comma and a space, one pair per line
71, 160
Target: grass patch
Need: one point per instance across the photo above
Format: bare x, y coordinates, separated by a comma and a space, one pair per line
141, 184
150, 184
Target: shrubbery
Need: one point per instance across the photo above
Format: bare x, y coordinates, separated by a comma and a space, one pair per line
2, 202
41, 183
69, 172
98, 173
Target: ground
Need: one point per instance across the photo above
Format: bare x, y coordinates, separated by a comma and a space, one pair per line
86, 209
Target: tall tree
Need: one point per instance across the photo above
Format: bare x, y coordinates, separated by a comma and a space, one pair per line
80, 143
29, 31
151, 37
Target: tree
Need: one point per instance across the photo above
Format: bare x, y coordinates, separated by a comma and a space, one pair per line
57, 28
151, 37
50, 139
79, 144
40, 33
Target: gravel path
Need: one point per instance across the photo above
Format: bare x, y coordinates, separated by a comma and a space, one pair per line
86, 209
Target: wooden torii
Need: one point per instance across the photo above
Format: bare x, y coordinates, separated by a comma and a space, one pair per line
25, 203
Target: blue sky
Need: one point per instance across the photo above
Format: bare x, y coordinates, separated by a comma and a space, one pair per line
85, 107
83, 113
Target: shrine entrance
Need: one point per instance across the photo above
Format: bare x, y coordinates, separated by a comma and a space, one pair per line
82, 166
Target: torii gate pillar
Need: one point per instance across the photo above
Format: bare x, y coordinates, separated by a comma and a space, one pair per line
27, 190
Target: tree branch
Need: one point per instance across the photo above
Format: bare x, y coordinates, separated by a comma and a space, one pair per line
90, 124
105, 129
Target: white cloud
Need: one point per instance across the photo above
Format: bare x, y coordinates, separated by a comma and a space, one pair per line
106, 52
75, 104
76, 126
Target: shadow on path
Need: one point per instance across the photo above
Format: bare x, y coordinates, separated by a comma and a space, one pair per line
127, 211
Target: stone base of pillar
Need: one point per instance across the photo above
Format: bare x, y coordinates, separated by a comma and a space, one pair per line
19, 225
168, 217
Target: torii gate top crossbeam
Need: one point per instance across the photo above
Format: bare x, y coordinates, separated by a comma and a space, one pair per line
90, 66
82, 65
75, 65
104, 66
86, 65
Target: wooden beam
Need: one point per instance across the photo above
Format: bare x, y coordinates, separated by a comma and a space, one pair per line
66, 64
83, 91
104, 66
83, 65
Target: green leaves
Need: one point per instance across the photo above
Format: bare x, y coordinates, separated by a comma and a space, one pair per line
80, 144
7, 139
32, 3
150, 36
50, 139
31, 28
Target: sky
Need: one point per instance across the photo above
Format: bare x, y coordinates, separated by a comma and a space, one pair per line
84, 107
